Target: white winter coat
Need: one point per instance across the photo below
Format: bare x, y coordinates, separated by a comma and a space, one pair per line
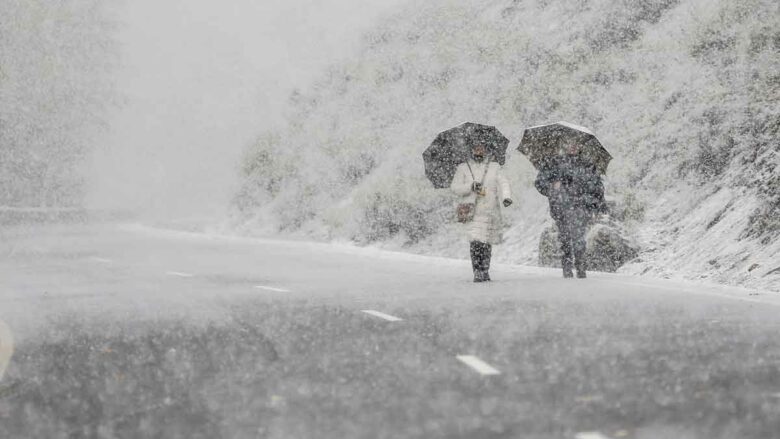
488, 223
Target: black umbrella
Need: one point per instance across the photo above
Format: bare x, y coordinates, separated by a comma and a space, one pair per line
544, 141
453, 147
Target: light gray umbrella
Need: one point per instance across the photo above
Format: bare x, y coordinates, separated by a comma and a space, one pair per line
544, 141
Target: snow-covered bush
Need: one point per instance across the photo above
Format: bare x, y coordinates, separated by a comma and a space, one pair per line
682, 92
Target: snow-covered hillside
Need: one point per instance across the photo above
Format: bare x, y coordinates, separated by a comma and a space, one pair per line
684, 93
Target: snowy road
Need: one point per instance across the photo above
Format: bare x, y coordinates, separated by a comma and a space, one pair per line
123, 331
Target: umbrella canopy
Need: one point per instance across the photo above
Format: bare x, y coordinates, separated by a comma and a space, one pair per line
544, 141
453, 147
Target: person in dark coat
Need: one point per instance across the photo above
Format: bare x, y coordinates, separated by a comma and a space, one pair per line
575, 191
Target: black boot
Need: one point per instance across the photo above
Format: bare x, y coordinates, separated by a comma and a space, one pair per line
580, 261
567, 271
579, 265
567, 253
567, 261
487, 254
476, 261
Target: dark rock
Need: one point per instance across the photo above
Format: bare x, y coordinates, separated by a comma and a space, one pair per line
608, 247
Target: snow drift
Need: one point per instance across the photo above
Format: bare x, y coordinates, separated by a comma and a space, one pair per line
683, 92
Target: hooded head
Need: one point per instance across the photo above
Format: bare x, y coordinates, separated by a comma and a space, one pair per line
478, 152
569, 148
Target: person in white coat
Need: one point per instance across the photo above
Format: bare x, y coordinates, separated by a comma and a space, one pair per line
480, 181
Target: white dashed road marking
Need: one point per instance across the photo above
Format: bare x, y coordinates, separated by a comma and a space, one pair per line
101, 260
480, 366
278, 290
382, 315
180, 274
6, 347
590, 435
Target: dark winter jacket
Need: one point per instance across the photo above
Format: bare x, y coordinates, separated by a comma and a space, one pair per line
581, 185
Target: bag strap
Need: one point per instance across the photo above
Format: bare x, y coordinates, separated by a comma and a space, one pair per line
487, 166
484, 174
470, 171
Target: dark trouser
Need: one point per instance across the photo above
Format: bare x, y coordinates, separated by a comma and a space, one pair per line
572, 227
480, 257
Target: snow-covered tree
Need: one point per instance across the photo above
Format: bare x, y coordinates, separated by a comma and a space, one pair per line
56, 61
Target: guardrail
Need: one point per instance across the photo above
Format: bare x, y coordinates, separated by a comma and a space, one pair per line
24, 215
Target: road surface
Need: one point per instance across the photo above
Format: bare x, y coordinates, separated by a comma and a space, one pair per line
129, 331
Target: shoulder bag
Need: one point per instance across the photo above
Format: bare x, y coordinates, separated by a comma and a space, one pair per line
465, 211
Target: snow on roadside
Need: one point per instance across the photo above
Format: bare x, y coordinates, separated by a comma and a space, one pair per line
683, 286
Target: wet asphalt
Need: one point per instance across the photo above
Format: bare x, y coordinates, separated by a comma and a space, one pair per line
124, 331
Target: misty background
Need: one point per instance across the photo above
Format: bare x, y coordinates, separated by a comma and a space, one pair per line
196, 82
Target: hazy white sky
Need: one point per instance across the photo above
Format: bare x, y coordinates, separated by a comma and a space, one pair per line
200, 78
